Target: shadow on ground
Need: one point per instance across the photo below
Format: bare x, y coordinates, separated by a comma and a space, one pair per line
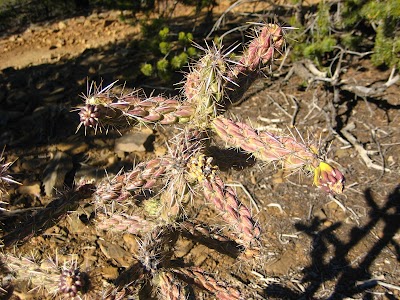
329, 255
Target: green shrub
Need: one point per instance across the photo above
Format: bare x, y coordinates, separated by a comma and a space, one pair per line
362, 18
164, 47
163, 33
162, 65
166, 51
146, 69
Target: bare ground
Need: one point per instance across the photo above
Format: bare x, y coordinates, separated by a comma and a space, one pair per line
313, 246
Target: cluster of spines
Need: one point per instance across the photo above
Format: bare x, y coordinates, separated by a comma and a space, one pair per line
262, 49
179, 189
47, 277
5, 177
120, 222
103, 109
154, 255
155, 249
72, 280
205, 85
144, 176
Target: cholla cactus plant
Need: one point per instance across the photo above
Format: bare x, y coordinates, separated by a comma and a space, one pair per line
187, 170
166, 186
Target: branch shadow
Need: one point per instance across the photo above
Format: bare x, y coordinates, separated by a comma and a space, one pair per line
327, 265
23, 226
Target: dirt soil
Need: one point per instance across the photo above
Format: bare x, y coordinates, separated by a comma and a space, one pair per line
313, 245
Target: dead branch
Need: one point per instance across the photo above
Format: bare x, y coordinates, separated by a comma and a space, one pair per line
360, 149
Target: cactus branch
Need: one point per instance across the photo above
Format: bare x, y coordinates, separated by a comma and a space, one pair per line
197, 276
267, 147
225, 200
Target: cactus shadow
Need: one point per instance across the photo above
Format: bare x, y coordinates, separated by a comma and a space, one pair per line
350, 279
21, 225
227, 159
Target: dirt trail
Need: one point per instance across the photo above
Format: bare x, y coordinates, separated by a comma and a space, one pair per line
48, 43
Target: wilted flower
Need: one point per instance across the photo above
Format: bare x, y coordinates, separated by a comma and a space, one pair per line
328, 178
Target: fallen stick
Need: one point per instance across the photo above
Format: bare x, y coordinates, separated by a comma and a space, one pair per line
360, 149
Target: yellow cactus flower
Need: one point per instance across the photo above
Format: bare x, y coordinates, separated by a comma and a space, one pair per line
328, 178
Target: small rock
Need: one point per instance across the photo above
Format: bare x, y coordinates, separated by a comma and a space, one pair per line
55, 172
120, 154
133, 141
30, 189
76, 225
46, 57
283, 265
93, 16
112, 160
340, 153
52, 230
87, 23
61, 25
109, 273
89, 257
54, 56
103, 15
114, 14
320, 214
61, 43
182, 248
73, 148
278, 177
160, 150
92, 70
131, 243
116, 253
80, 20
201, 254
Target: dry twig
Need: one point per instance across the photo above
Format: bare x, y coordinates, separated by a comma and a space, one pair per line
360, 149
